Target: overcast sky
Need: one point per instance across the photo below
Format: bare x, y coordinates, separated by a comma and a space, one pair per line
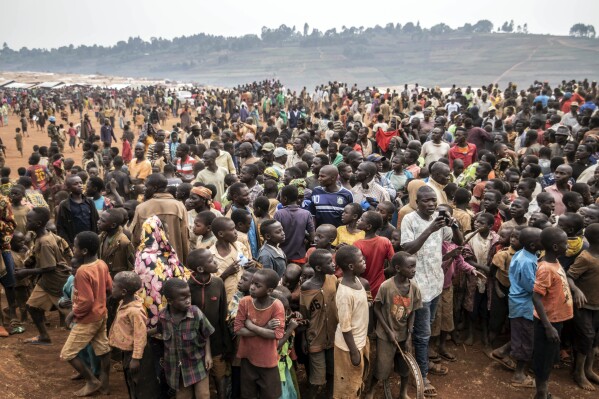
45, 24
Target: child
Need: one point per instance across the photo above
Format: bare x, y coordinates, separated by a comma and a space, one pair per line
583, 276
394, 308
291, 281
317, 304
51, 255
482, 242
462, 212
500, 282
91, 286
208, 294
573, 225
376, 249
19, 140
490, 204
243, 222
351, 341
202, 228
348, 233
115, 249
517, 353
386, 209
128, 333
572, 201
261, 208
294, 220
518, 211
271, 256
186, 332
396, 240
227, 253
553, 305
260, 323
546, 204
19, 211
20, 252
482, 176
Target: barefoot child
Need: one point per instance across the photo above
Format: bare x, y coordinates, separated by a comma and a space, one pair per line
553, 305
128, 333
91, 287
317, 304
260, 324
19, 140
208, 294
351, 341
394, 304
186, 361
386, 210
583, 275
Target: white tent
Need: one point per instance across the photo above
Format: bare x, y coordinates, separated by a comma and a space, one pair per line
49, 85
17, 85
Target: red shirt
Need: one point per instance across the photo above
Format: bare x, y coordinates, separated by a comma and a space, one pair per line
375, 250
466, 154
90, 288
39, 177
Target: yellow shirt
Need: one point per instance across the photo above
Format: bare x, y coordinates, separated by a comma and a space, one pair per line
140, 170
345, 237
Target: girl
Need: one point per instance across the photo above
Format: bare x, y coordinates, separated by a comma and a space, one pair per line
348, 233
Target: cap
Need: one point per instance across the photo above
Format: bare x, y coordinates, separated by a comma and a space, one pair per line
279, 152
52, 119
269, 147
574, 104
492, 108
375, 158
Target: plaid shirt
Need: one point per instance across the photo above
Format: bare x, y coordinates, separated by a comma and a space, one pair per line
185, 346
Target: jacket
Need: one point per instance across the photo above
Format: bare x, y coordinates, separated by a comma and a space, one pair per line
270, 259
120, 253
64, 219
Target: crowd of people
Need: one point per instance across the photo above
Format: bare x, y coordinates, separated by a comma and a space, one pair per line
268, 229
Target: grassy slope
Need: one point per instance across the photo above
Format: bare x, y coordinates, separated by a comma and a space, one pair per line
386, 61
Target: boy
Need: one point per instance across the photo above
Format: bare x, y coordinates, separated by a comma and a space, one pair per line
462, 212
553, 305
128, 333
490, 204
386, 209
51, 255
271, 256
115, 249
260, 323
202, 229
19, 211
522, 271
91, 287
583, 276
375, 249
243, 222
351, 340
20, 252
394, 307
294, 220
572, 224
186, 332
208, 294
227, 252
317, 304
19, 140
518, 211
546, 204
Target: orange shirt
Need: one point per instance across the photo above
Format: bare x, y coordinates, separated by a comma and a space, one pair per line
92, 282
551, 283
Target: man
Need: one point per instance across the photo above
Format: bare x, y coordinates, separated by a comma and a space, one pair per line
267, 154
121, 177
184, 163
328, 200
212, 173
438, 180
299, 148
170, 211
571, 118
318, 162
159, 137
87, 131
477, 136
248, 175
452, 106
246, 156
563, 173
462, 149
194, 137
280, 160
366, 188
107, 133
354, 159
435, 149
77, 213
422, 234
139, 167
223, 158
483, 104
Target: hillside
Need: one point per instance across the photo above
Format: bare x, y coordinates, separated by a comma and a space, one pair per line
379, 58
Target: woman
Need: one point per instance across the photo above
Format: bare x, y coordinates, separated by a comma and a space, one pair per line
413, 187
155, 262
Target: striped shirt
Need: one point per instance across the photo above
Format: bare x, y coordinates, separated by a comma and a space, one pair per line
374, 190
185, 168
327, 207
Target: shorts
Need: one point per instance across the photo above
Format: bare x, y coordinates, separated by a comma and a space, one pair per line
221, 369
522, 333
545, 352
260, 382
586, 329
41, 299
321, 365
389, 358
8, 280
349, 379
444, 317
83, 334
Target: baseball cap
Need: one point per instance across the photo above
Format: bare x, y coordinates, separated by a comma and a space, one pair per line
52, 119
279, 152
375, 158
268, 147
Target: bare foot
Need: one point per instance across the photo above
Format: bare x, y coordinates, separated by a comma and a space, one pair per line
592, 377
469, 340
582, 382
89, 388
76, 377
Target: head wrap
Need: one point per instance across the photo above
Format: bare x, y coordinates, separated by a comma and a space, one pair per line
205, 193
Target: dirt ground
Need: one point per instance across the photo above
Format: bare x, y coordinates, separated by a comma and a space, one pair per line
36, 372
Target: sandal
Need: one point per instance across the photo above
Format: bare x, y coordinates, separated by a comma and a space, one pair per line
506, 362
438, 369
37, 341
429, 390
3, 332
528, 382
447, 356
